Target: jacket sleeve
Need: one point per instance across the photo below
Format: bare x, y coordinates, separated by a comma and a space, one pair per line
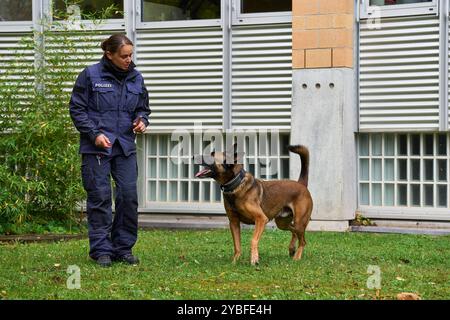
143, 109
78, 107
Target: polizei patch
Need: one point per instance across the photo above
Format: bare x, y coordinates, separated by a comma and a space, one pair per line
102, 85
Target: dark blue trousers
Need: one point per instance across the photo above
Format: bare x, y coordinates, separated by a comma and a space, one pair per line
115, 238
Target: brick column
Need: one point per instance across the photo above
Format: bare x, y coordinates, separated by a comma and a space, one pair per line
322, 33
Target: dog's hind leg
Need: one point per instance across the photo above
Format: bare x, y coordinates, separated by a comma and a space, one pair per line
301, 219
292, 244
297, 234
301, 246
285, 223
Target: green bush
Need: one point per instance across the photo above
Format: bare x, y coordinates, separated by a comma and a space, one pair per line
40, 181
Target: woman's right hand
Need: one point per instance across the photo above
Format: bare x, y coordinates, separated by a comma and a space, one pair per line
102, 141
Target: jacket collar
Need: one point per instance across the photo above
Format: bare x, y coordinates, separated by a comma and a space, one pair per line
133, 73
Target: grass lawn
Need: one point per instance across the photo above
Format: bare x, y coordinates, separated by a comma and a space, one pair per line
197, 265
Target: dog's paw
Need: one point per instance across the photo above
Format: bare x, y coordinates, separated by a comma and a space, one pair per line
291, 253
236, 258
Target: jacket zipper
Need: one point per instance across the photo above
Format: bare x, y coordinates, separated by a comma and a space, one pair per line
122, 84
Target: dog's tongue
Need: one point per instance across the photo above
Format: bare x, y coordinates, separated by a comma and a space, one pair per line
200, 173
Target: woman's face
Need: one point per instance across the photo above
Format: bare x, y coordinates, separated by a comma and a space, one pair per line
122, 58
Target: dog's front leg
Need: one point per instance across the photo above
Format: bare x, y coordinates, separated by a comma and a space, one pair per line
235, 227
260, 223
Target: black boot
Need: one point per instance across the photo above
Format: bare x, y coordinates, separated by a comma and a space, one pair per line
104, 261
129, 258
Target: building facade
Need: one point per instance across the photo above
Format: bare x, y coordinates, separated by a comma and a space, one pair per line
364, 84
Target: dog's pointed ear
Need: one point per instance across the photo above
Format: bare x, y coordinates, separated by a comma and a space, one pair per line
232, 156
235, 157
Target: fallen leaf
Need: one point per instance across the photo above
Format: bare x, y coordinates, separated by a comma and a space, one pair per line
57, 265
378, 293
408, 296
400, 279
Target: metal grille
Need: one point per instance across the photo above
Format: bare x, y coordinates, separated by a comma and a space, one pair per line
399, 74
16, 62
262, 76
449, 73
85, 52
183, 73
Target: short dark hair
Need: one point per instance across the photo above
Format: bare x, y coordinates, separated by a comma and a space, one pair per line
115, 42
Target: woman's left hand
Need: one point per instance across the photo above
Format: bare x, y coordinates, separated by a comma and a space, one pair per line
139, 126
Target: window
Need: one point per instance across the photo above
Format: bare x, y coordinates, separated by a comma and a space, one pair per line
175, 10
394, 2
87, 8
16, 10
259, 6
392, 8
262, 11
404, 170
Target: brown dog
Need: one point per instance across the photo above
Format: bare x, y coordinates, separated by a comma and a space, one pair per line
254, 201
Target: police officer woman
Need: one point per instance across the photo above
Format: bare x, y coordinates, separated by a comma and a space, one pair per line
109, 105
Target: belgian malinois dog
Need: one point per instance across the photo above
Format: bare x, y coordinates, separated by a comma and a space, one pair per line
254, 201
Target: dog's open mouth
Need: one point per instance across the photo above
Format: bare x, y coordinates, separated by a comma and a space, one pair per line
205, 173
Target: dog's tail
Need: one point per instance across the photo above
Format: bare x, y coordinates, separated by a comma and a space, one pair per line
303, 152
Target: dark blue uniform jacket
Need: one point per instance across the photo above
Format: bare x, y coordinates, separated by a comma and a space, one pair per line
101, 103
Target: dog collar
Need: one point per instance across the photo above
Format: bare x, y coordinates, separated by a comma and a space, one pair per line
234, 183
